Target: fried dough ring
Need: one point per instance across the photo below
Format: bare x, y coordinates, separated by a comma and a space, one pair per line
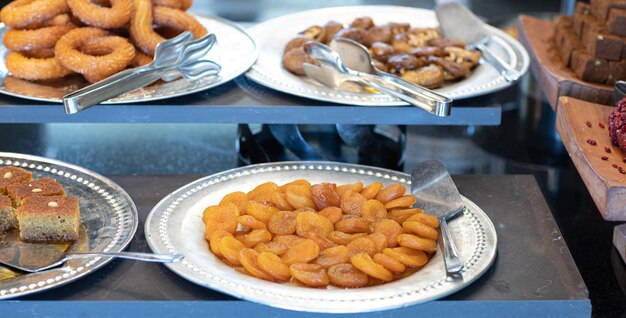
42, 38
34, 69
107, 18
174, 4
105, 54
24, 13
141, 59
144, 36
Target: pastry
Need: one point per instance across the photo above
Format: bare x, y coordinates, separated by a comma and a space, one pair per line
49, 219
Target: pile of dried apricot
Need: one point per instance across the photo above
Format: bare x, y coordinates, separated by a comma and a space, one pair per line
316, 235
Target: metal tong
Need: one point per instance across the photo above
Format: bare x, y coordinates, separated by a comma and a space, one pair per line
332, 72
173, 58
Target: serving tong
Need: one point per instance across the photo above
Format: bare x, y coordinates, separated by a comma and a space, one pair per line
180, 56
334, 71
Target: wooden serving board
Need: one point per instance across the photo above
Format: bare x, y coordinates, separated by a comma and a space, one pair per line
605, 183
554, 77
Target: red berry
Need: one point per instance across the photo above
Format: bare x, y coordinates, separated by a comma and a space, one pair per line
605, 158
607, 149
588, 124
592, 142
601, 125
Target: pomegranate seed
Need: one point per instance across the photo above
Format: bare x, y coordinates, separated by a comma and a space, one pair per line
588, 124
622, 171
624, 160
607, 149
615, 166
601, 125
592, 142
605, 158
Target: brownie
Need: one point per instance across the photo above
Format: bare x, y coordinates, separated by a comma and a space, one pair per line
600, 8
568, 43
40, 187
7, 214
51, 219
605, 46
10, 175
581, 14
617, 71
589, 68
616, 22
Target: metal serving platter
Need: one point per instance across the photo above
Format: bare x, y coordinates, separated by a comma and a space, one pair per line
235, 51
175, 226
108, 216
272, 35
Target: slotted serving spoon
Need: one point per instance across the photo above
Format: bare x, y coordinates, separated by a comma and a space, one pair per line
34, 258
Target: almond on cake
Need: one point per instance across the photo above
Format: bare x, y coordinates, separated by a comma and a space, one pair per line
50, 219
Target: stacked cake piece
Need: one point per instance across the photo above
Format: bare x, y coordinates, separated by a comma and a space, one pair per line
39, 208
593, 42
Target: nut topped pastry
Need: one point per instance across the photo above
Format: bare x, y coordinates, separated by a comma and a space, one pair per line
39, 187
7, 214
49, 219
10, 175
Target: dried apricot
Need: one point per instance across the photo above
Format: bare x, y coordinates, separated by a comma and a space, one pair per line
373, 210
356, 187
307, 222
391, 229
332, 256
361, 245
380, 241
255, 237
401, 215
249, 259
279, 244
251, 222
405, 201
332, 213
346, 275
214, 241
296, 182
364, 263
321, 240
391, 192
263, 192
325, 195
299, 196
344, 238
238, 198
352, 202
356, 225
407, 256
279, 200
274, 266
417, 243
262, 211
427, 219
230, 247
220, 218
282, 223
312, 275
302, 252
389, 263
420, 229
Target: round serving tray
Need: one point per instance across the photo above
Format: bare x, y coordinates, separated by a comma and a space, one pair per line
235, 51
273, 35
175, 226
108, 215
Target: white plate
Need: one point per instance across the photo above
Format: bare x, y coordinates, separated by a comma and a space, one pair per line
107, 213
272, 35
175, 226
235, 51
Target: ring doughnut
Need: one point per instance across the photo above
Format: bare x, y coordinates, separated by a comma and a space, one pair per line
23, 13
34, 69
141, 59
174, 4
178, 19
107, 18
42, 38
103, 55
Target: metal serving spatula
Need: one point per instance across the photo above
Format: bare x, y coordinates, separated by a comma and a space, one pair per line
437, 195
459, 23
30, 257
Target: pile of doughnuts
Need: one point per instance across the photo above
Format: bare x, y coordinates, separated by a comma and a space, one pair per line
50, 39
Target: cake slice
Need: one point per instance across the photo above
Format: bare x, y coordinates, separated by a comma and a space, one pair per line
50, 219
40, 187
7, 215
10, 175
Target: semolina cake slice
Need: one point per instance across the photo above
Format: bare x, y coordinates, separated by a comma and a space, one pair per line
50, 219
40, 187
10, 175
7, 215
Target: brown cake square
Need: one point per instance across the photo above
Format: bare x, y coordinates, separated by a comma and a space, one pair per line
10, 175
589, 68
617, 71
600, 8
49, 219
581, 14
7, 215
569, 43
605, 46
40, 187
617, 21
